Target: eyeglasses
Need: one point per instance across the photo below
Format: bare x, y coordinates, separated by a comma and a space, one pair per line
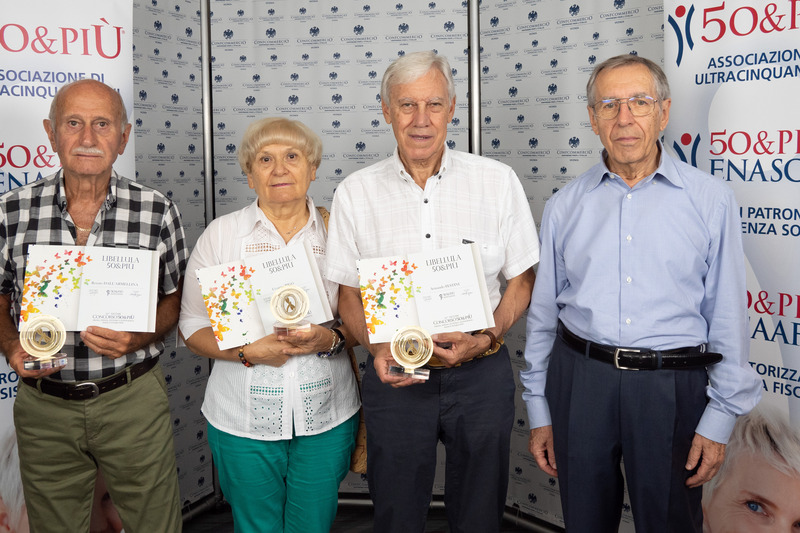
639, 106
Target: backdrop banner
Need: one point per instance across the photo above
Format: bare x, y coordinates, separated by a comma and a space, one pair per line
536, 58
43, 48
734, 69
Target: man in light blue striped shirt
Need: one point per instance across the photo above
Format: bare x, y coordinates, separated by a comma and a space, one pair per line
641, 268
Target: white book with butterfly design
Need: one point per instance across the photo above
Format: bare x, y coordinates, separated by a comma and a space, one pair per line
442, 291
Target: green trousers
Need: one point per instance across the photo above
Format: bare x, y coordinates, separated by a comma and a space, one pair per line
126, 432
283, 486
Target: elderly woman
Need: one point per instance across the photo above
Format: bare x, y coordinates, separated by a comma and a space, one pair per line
282, 411
758, 487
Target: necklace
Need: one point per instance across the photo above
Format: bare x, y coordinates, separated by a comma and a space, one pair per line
85, 230
291, 230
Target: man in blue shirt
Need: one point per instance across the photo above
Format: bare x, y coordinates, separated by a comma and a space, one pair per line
642, 268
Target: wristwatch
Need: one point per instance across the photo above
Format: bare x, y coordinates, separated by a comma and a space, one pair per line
339, 345
336, 346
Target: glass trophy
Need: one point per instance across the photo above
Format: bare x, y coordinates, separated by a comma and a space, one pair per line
289, 305
43, 336
411, 347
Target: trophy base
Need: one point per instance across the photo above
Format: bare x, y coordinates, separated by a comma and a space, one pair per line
55, 361
291, 329
413, 373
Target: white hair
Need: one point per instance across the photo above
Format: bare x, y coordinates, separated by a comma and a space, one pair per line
413, 66
765, 432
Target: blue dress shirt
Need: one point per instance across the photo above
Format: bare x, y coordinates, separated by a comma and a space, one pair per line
658, 266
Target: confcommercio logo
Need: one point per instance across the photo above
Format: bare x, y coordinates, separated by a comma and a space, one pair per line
102, 40
719, 21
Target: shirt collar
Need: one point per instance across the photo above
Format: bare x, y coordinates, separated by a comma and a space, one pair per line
400, 169
253, 215
108, 203
666, 169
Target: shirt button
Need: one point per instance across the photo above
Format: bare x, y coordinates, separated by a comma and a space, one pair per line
628, 279
629, 196
427, 235
628, 321
628, 238
425, 200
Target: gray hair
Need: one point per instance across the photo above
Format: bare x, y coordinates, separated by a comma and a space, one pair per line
279, 130
413, 66
123, 114
659, 78
10, 480
765, 432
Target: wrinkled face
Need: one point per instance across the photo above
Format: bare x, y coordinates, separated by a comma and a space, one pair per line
419, 113
88, 134
629, 141
280, 174
754, 497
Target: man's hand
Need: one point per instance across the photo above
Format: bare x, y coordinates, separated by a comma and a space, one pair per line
16, 361
352, 313
10, 346
541, 447
382, 360
457, 347
708, 455
112, 343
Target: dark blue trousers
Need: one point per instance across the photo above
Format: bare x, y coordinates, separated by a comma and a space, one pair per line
471, 410
646, 418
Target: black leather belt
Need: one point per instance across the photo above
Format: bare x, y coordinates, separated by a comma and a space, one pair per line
641, 358
86, 390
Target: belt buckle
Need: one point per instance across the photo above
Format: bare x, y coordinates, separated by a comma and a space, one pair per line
616, 358
93, 385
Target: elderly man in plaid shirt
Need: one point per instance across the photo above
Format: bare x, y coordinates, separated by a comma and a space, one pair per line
107, 407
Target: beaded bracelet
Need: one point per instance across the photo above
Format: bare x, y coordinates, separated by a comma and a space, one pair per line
244, 361
329, 353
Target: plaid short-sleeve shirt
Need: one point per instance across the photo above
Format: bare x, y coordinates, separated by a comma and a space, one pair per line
132, 216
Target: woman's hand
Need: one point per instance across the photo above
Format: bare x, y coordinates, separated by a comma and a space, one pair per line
267, 350
301, 342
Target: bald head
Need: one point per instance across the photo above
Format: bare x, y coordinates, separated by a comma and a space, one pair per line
63, 93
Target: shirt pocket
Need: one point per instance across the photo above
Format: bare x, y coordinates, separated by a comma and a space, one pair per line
493, 258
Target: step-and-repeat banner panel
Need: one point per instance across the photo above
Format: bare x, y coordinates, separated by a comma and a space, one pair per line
321, 62
169, 157
536, 58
